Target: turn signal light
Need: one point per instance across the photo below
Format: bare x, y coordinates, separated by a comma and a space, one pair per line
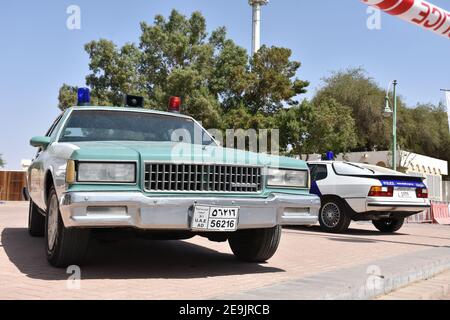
381, 191
422, 193
70, 172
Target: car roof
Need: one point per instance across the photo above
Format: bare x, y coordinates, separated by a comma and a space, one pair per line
322, 161
127, 109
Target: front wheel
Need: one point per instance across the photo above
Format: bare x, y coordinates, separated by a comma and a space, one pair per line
332, 216
389, 225
258, 245
64, 246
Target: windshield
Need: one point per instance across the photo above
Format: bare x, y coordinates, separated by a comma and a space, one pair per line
346, 168
101, 125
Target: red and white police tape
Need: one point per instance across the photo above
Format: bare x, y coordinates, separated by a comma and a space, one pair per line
421, 13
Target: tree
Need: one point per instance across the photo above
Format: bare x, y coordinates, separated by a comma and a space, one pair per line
311, 128
424, 130
355, 89
2, 163
333, 128
176, 56
295, 124
272, 80
67, 96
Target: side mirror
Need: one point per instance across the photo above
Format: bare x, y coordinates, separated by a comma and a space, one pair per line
40, 142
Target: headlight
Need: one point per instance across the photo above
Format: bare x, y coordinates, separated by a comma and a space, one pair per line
106, 172
287, 178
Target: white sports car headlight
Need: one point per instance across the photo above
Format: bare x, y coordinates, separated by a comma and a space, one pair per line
106, 172
287, 178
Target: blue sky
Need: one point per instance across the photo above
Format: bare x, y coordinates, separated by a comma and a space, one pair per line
38, 53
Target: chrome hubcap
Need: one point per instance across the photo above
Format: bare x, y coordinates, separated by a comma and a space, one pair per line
52, 227
331, 215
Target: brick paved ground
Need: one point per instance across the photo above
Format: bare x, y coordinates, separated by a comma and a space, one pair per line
194, 269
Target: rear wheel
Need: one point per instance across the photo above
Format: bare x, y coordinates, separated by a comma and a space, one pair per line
64, 246
389, 225
36, 221
258, 245
333, 217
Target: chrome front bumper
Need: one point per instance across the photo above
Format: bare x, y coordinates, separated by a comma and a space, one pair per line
97, 210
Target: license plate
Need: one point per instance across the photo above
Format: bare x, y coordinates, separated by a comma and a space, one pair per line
221, 219
405, 193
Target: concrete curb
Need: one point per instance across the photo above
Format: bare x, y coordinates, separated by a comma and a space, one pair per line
361, 282
433, 289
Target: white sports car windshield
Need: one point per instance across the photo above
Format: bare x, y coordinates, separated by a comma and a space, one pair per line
105, 125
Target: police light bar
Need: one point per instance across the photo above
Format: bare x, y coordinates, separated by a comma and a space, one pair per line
134, 101
175, 104
83, 97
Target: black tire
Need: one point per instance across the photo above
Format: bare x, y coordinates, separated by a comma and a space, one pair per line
69, 245
389, 225
36, 221
333, 216
255, 245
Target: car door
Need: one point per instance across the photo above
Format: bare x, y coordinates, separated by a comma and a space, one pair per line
36, 172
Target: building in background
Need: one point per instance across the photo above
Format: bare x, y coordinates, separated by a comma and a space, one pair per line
12, 182
432, 169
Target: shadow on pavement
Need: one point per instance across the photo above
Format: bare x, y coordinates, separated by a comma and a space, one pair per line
349, 236
128, 259
350, 231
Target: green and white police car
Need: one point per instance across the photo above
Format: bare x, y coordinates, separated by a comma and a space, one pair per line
132, 168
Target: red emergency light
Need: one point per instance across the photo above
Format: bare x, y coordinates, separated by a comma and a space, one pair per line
175, 104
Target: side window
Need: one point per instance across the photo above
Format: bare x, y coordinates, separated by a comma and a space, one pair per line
321, 172
318, 172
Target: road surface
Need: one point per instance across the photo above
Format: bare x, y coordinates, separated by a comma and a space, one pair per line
199, 269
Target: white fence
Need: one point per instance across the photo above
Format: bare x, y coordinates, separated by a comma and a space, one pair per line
446, 191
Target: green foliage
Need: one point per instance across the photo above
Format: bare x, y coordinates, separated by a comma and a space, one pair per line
424, 129
332, 128
316, 128
176, 56
2, 162
67, 96
272, 80
225, 88
354, 89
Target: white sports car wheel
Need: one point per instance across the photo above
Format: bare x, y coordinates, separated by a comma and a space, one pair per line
332, 216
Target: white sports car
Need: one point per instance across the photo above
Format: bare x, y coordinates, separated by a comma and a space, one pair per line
357, 192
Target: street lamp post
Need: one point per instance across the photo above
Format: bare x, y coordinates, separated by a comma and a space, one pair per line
389, 112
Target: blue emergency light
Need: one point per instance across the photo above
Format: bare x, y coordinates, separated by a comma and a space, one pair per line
84, 97
330, 155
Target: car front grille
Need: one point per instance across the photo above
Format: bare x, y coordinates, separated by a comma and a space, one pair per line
202, 178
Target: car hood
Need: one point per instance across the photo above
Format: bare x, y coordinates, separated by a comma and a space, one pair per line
177, 152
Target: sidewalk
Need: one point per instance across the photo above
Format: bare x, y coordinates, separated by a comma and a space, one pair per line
362, 281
